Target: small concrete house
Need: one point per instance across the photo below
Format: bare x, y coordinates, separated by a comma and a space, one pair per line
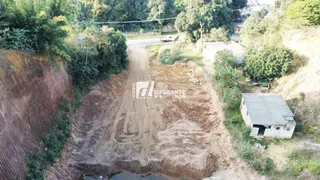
268, 115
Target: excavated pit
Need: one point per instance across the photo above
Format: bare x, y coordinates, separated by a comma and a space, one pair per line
115, 131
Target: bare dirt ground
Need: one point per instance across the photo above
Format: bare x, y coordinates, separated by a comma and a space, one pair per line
182, 138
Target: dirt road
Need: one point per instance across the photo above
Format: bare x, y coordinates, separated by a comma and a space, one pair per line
181, 137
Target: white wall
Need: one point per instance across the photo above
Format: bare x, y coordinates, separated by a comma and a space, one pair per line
245, 117
254, 131
272, 132
281, 133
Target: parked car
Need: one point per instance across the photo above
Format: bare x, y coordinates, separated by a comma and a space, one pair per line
169, 39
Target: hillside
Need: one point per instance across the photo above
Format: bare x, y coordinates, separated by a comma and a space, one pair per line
30, 92
302, 88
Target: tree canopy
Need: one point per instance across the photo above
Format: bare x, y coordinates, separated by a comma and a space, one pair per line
202, 16
267, 62
161, 9
42, 26
304, 12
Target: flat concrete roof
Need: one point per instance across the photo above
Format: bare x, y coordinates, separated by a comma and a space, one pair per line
267, 109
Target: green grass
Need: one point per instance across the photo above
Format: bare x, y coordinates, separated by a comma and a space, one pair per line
304, 159
313, 130
242, 142
170, 56
154, 48
195, 58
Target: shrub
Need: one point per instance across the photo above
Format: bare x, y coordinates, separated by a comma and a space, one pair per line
53, 142
232, 98
304, 12
15, 39
41, 26
267, 62
225, 71
301, 160
49, 36
170, 56
106, 55
36, 162
220, 34
225, 58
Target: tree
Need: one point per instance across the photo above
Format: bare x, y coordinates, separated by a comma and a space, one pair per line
261, 28
267, 62
107, 55
252, 25
159, 8
304, 12
239, 4
202, 16
43, 23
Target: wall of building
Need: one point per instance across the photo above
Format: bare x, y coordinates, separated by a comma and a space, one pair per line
281, 133
269, 132
245, 115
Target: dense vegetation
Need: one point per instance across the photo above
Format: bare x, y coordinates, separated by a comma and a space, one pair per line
53, 142
304, 12
266, 58
43, 27
228, 83
170, 56
103, 54
267, 62
201, 16
128, 10
226, 73
40, 26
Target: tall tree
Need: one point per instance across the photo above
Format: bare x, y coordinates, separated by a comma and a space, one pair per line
161, 9
201, 16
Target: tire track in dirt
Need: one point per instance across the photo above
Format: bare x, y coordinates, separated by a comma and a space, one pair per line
179, 137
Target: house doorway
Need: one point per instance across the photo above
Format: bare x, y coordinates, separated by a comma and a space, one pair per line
261, 129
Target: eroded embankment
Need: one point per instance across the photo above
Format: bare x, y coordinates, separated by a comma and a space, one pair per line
29, 93
114, 130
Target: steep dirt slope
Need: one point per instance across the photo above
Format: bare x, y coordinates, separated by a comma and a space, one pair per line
303, 85
29, 93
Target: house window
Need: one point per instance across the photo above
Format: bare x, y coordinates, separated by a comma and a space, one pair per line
277, 128
247, 113
243, 102
288, 129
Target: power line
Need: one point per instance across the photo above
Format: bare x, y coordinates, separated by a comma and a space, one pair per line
128, 22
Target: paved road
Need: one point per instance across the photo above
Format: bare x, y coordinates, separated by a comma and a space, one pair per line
148, 42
